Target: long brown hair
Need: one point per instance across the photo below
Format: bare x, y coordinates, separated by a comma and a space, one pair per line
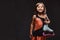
35, 10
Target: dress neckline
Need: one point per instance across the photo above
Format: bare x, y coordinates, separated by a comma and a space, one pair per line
39, 16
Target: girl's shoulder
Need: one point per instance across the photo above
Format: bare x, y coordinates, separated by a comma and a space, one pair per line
34, 16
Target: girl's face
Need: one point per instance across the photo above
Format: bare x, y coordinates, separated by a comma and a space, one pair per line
40, 8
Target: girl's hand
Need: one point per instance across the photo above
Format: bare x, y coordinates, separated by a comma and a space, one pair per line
30, 35
47, 22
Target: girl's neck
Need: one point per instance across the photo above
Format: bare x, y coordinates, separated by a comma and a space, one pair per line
40, 13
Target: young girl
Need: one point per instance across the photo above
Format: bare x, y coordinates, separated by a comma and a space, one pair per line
39, 22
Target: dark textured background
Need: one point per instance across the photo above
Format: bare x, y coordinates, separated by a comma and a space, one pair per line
24, 14
16, 17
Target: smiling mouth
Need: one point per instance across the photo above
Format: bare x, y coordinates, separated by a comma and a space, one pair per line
40, 9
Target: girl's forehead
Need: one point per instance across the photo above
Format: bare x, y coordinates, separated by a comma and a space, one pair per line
40, 5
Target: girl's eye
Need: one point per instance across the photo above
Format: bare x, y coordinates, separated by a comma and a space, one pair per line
40, 7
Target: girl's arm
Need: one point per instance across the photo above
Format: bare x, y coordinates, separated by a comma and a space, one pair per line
31, 26
47, 20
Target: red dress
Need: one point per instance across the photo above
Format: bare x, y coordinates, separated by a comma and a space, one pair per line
38, 25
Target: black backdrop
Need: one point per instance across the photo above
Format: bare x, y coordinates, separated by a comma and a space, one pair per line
16, 16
